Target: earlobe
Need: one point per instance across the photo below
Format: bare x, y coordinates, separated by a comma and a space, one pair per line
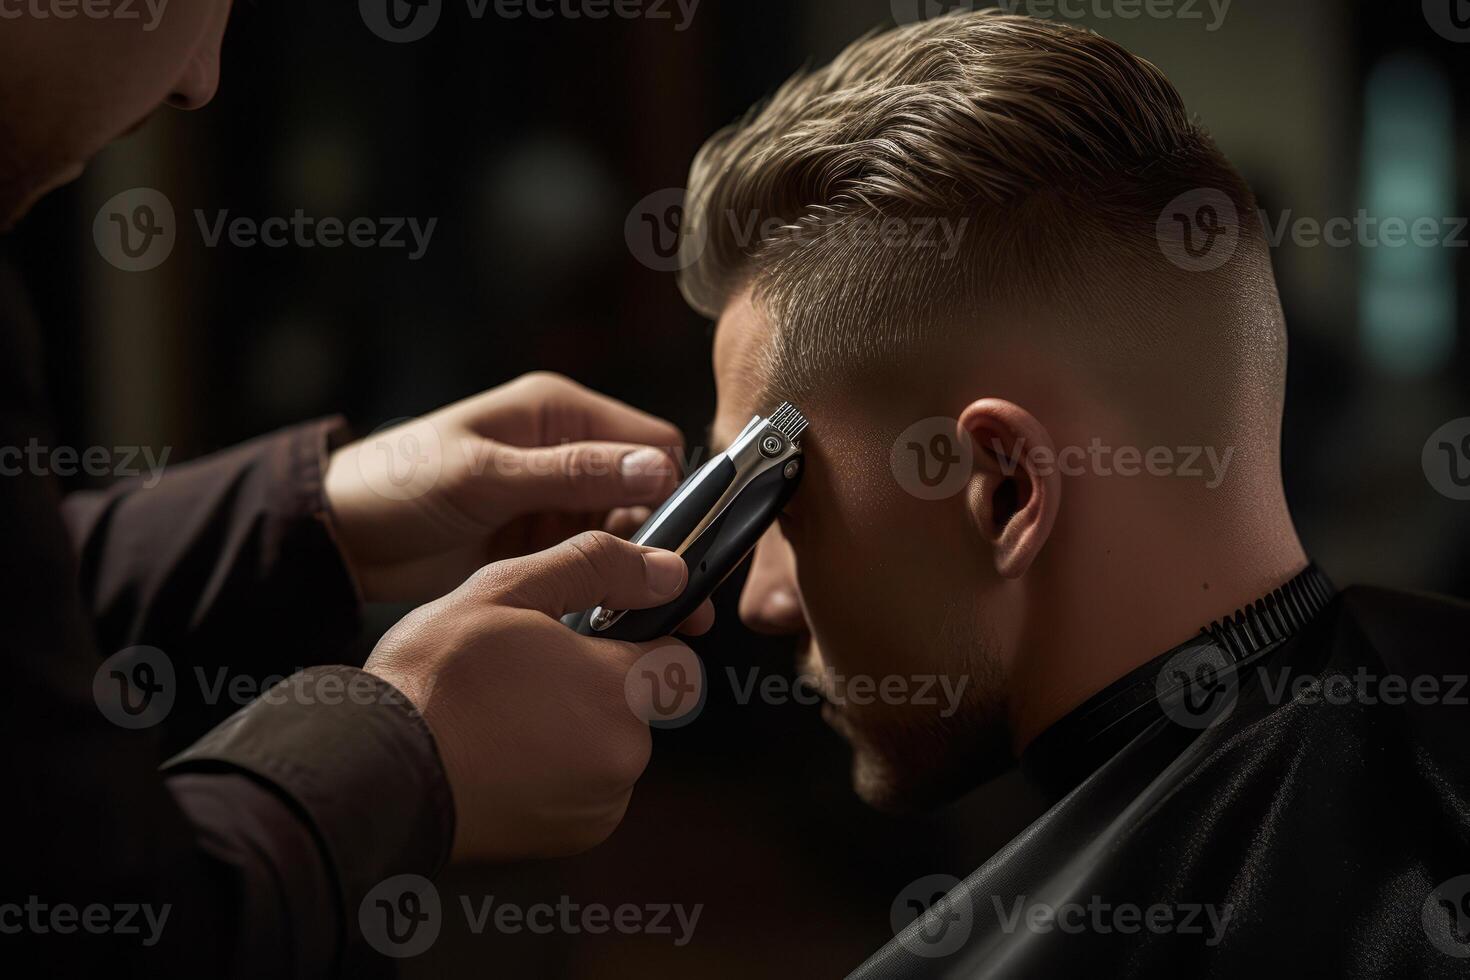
1014, 494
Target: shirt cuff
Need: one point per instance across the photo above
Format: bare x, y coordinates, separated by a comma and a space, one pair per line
358, 762
308, 452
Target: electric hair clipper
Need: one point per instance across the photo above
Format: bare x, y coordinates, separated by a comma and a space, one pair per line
713, 520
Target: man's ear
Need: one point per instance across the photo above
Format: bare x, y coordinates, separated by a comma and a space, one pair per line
1012, 497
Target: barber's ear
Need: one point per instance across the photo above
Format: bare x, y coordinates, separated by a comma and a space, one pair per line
1012, 500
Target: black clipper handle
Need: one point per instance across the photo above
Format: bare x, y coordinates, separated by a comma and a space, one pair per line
711, 557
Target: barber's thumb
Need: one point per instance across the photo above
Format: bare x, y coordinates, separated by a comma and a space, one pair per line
592, 569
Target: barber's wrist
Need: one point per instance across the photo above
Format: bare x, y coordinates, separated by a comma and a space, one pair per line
336, 591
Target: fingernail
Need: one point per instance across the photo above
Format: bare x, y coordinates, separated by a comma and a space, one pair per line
646, 470
663, 571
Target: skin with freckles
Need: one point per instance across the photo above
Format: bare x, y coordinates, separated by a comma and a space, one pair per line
1026, 591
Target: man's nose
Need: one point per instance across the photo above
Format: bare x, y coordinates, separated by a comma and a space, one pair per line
197, 86
770, 602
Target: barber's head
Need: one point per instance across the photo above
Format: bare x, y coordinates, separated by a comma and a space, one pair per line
69, 86
979, 219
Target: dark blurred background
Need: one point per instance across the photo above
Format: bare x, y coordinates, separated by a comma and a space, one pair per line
532, 141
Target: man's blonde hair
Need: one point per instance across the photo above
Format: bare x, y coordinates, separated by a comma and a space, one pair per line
1052, 150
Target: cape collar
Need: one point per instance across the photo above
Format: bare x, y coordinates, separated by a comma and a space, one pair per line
1073, 747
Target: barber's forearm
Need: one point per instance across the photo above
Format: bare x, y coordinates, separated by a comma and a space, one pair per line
220, 553
256, 859
279, 909
306, 801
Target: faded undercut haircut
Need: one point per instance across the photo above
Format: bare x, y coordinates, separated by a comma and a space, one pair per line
942, 169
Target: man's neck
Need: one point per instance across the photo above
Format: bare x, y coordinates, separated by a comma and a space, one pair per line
1142, 588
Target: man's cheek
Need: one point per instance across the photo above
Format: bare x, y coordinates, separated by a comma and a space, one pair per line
853, 632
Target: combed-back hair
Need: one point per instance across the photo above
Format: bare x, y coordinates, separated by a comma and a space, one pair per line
1048, 150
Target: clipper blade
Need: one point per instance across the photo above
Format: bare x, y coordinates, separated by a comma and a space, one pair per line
788, 421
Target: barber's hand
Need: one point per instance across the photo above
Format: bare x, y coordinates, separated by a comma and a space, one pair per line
419, 506
538, 737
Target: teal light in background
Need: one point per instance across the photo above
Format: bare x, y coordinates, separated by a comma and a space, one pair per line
1407, 301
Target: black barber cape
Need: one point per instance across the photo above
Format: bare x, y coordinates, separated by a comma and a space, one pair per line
1288, 794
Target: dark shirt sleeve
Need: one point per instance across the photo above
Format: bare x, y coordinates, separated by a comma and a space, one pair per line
190, 559
308, 799
251, 853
